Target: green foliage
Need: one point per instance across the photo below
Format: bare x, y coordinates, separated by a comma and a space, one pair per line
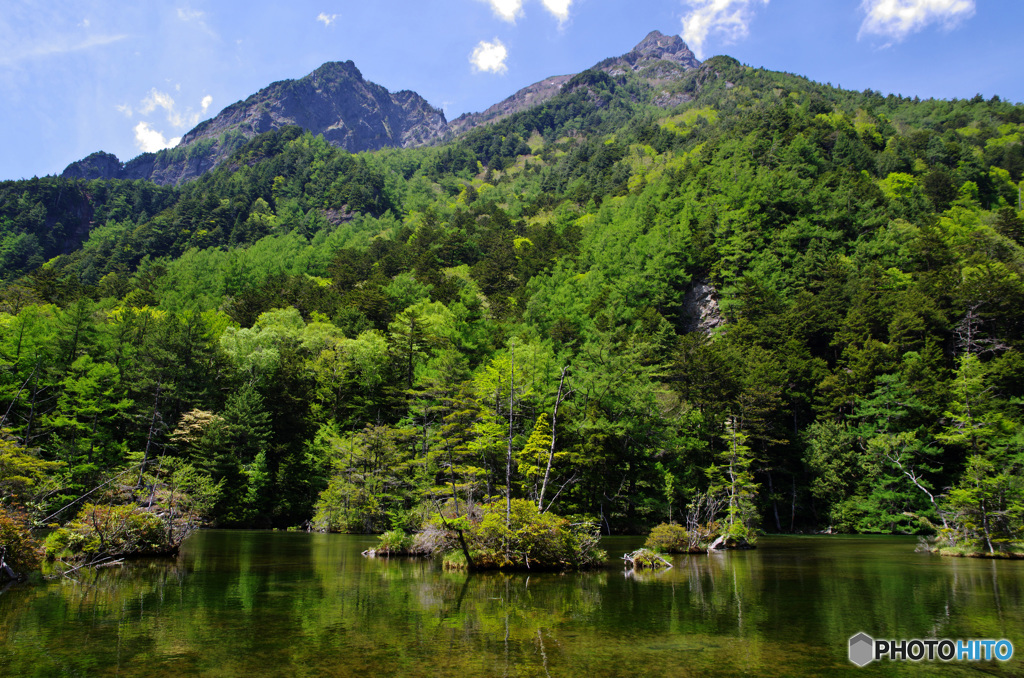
525, 539
394, 543
326, 336
986, 508
107, 532
20, 553
731, 481
151, 519
646, 559
668, 538
22, 473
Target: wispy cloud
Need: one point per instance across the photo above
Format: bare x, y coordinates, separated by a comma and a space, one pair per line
56, 46
489, 57
157, 99
327, 19
727, 19
177, 118
198, 17
147, 137
897, 19
189, 14
150, 140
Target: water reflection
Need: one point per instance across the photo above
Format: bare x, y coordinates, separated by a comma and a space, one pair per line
264, 603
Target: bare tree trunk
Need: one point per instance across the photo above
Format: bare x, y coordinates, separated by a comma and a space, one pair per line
792, 511
984, 525
458, 532
508, 458
465, 550
32, 409
149, 436
18, 394
775, 503
551, 453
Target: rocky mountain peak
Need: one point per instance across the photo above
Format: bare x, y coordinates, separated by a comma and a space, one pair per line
334, 100
334, 73
358, 115
660, 47
658, 58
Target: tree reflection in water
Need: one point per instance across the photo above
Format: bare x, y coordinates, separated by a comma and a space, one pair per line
261, 603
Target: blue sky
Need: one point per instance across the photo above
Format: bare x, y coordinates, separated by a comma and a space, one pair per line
77, 76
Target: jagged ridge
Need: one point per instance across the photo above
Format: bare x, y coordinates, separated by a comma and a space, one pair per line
358, 115
334, 100
658, 59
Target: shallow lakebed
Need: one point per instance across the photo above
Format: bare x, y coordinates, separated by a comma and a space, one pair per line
293, 604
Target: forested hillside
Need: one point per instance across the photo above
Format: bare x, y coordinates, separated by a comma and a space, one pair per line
345, 340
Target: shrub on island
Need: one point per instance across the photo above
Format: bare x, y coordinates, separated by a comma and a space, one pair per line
149, 520
669, 538
646, 559
494, 536
700, 538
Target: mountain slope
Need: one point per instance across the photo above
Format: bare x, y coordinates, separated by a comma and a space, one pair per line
658, 59
358, 115
861, 253
334, 100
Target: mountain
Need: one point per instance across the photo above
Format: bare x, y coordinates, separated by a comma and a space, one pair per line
334, 100
659, 59
818, 288
359, 115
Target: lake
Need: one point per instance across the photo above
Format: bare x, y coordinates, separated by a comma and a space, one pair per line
293, 604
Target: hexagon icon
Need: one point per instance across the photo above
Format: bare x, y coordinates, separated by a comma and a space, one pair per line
862, 649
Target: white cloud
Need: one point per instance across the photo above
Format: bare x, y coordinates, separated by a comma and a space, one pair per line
560, 8
327, 19
56, 47
150, 140
899, 18
510, 10
729, 19
189, 14
490, 57
157, 99
507, 9
126, 109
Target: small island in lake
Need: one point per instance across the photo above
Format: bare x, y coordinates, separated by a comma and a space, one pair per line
513, 535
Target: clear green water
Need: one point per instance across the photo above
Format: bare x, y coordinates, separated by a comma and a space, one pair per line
287, 604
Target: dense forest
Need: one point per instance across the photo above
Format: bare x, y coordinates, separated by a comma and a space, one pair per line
343, 341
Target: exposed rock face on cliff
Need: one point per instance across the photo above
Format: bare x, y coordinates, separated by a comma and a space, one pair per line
700, 308
658, 58
334, 100
537, 93
656, 55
